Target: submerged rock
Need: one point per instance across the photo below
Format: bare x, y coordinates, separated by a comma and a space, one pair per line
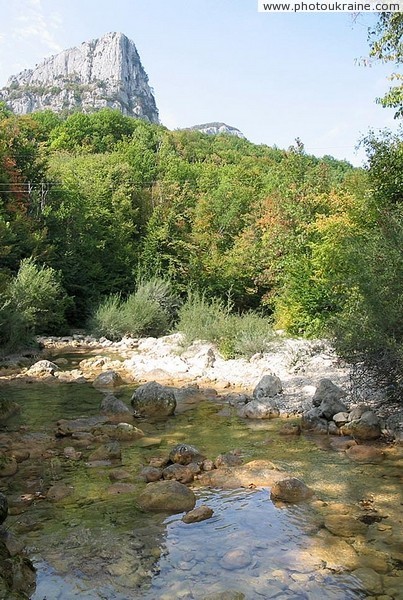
8, 409
236, 559
252, 474
110, 405
153, 400
291, 490
169, 496
8, 466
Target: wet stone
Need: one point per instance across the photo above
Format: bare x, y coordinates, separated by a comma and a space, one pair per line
236, 559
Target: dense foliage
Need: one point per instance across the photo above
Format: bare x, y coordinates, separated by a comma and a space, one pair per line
99, 204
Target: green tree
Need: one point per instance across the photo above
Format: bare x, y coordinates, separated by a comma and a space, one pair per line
386, 45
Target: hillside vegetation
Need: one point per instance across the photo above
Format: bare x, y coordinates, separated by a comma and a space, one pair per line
95, 209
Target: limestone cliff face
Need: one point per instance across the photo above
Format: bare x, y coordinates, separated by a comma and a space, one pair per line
217, 128
106, 72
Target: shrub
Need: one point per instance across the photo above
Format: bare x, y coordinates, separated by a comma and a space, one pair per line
212, 321
38, 296
148, 311
203, 319
108, 319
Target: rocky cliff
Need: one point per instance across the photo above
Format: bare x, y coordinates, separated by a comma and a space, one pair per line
216, 128
97, 74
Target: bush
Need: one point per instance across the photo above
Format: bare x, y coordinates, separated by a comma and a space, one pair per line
212, 321
38, 298
148, 311
33, 302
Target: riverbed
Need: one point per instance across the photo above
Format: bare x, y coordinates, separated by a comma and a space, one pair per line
94, 543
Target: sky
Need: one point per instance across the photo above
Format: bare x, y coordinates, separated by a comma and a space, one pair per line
276, 77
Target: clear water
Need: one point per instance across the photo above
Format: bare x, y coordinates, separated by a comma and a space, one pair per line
95, 545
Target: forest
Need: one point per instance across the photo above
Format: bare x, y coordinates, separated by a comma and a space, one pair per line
118, 226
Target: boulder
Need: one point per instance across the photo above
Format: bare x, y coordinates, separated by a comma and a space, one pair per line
268, 386
167, 496
181, 473
327, 390
42, 367
367, 427
3, 508
153, 400
330, 407
107, 379
291, 489
185, 454
313, 421
122, 432
365, 454
201, 513
110, 405
150, 474
229, 459
265, 408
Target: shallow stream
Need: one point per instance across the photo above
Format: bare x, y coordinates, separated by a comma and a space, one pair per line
95, 544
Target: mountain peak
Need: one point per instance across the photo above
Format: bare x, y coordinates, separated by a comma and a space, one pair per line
103, 72
217, 127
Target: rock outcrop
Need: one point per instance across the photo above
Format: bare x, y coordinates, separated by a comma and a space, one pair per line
217, 128
106, 72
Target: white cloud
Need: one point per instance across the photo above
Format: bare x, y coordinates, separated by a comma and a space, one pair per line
34, 25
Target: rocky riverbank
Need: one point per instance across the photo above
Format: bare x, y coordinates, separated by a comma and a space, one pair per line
298, 363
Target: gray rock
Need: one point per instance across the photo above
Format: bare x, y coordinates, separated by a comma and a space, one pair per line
184, 454
150, 474
312, 420
167, 496
367, 427
106, 72
265, 408
83, 424
43, 367
291, 490
153, 400
181, 473
111, 451
330, 407
3, 508
327, 390
340, 418
111, 405
107, 379
268, 386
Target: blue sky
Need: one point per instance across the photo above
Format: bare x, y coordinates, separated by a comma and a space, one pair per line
274, 76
